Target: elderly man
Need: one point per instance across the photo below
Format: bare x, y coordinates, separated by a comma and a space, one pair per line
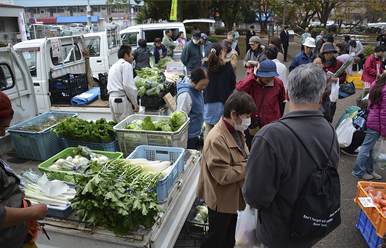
305, 35
191, 55
167, 41
281, 161
305, 56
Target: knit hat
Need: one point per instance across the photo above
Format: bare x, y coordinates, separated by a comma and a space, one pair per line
227, 44
352, 42
196, 34
5, 106
325, 36
254, 40
267, 69
204, 36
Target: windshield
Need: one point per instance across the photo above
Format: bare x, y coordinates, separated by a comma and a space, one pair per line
93, 45
30, 58
129, 39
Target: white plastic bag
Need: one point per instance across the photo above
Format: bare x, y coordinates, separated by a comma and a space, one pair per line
246, 228
334, 91
379, 153
345, 131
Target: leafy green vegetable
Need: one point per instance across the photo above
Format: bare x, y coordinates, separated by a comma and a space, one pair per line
118, 197
141, 91
77, 129
153, 91
133, 125
150, 84
138, 81
162, 62
147, 124
178, 119
163, 125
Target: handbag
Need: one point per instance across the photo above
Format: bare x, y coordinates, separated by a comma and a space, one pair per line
345, 131
346, 90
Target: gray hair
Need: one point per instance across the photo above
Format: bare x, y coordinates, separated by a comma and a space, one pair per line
231, 33
306, 84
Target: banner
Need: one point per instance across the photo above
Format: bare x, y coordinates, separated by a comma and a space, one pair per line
22, 26
173, 11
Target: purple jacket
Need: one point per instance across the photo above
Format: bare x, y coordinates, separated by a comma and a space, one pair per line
376, 120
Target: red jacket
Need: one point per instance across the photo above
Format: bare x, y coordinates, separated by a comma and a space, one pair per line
274, 96
334, 66
370, 69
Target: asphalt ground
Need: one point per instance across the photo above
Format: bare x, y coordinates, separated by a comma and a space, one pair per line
346, 235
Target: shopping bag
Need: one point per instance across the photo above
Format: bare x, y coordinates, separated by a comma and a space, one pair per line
246, 228
345, 131
379, 153
334, 92
346, 90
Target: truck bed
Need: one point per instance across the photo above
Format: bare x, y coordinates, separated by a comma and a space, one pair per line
71, 232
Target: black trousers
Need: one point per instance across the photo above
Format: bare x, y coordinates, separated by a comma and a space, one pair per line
285, 52
357, 140
222, 230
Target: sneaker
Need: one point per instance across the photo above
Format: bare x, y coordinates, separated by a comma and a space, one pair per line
365, 176
376, 176
354, 154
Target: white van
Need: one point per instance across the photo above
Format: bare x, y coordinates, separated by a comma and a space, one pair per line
150, 32
103, 48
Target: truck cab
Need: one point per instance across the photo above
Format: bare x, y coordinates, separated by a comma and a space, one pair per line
150, 32
16, 83
103, 48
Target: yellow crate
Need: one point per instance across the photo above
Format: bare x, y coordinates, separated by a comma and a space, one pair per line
357, 79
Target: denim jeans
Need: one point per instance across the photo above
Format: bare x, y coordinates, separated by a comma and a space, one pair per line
365, 162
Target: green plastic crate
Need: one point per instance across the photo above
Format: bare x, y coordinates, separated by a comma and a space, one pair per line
69, 176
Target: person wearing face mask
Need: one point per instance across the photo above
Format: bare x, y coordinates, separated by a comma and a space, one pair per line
190, 100
222, 174
231, 37
221, 85
191, 56
267, 91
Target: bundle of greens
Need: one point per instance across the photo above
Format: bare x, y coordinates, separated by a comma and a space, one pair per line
177, 119
343, 67
162, 62
118, 197
77, 129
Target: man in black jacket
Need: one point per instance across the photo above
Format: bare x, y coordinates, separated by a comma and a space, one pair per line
284, 39
251, 32
279, 167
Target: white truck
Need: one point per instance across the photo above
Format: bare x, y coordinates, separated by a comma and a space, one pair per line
16, 82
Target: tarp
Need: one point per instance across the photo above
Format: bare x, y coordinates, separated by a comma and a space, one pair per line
86, 97
75, 19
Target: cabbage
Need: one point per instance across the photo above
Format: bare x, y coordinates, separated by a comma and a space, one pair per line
138, 81
153, 91
150, 84
178, 119
142, 91
147, 124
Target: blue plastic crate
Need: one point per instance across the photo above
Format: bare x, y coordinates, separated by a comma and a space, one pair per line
172, 154
37, 145
107, 147
368, 231
62, 212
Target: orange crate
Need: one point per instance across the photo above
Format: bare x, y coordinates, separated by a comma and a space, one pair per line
373, 214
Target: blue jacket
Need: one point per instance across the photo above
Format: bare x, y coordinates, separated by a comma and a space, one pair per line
196, 113
206, 48
301, 59
191, 55
156, 52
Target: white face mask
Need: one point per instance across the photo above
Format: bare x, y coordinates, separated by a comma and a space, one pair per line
196, 41
244, 124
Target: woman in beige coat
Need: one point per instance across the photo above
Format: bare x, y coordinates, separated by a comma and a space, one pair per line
229, 53
222, 172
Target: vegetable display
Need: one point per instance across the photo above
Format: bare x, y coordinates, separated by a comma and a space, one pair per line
150, 81
152, 166
30, 184
177, 119
40, 126
379, 200
118, 197
162, 62
100, 131
83, 159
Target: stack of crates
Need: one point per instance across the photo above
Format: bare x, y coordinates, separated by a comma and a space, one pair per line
356, 79
103, 86
65, 87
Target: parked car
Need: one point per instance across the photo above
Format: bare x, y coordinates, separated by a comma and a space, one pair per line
77, 28
64, 31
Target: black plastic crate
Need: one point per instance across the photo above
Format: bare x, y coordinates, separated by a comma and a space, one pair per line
103, 78
196, 230
68, 82
64, 96
154, 102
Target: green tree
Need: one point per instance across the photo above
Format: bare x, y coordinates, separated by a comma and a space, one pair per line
227, 10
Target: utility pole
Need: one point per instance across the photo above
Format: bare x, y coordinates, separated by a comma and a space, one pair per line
89, 15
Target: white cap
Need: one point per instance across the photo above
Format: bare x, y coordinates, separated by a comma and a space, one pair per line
309, 42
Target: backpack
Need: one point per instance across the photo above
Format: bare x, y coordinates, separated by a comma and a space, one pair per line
317, 210
359, 121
